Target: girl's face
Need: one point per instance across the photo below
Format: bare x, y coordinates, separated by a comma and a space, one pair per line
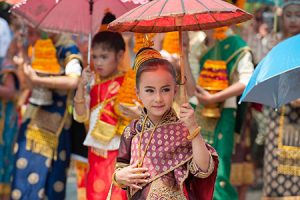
105, 61
157, 90
291, 19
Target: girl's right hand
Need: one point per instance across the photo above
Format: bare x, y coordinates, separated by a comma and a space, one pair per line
86, 76
132, 176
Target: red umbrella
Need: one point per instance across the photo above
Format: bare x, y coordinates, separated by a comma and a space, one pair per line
176, 15
179, 15
79, 17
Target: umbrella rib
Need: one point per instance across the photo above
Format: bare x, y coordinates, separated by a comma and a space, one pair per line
48, 13
220, 4
194, 16
162, 7
182, 6
159, 14
210, 13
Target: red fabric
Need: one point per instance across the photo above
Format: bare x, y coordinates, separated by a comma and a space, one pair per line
99, 93
99, 177
203, 189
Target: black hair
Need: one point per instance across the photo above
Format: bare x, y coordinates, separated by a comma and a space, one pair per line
109, 17
153, 65
109, 41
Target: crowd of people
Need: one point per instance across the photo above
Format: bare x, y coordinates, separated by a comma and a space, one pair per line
130, 127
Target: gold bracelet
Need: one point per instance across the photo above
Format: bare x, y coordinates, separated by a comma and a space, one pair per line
194, 134
115, 182
79, 101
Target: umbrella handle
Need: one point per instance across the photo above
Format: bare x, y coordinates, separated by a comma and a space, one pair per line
89, 51
183, 94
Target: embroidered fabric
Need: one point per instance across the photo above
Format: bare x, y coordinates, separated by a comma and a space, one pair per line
196, 171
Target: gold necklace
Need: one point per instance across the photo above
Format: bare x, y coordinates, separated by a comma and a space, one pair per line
142, 157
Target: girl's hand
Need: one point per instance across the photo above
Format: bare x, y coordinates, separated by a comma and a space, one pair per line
187, 115
86, 76
131, 112
132, 176
203, 96
30, 74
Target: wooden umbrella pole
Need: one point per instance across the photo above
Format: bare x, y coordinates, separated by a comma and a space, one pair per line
91, 3
183, 96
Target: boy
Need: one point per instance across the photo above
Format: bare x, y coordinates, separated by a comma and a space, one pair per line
105, 125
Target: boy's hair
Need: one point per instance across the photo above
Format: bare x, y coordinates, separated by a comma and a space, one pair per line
109, 41
153, 65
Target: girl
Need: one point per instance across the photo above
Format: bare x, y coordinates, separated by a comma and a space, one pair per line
161, 156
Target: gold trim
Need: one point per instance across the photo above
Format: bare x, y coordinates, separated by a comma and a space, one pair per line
236, 53
245, 50
197, 172
42, 141
289, 170
281, 198
288, 155
103, 131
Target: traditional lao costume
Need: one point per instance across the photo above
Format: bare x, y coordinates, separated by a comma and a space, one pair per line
235, 55
167, 153
43, 146
103, 138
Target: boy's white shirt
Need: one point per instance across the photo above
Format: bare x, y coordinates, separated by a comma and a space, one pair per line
93, 118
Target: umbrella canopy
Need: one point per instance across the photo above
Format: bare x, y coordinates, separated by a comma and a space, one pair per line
176, 15
276, 80
79, 17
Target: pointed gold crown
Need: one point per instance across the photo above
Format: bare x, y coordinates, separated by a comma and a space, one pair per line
146, 53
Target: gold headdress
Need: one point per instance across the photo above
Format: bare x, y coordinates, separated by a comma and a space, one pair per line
144, 55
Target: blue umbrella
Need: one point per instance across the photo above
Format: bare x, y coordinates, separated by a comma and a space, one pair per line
276, 80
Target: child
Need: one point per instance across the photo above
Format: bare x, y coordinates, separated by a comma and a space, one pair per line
160, 156
105, 126
43, 143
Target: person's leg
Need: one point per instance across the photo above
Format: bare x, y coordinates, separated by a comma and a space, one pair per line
99, 177
57, 176
223, 143
29, 176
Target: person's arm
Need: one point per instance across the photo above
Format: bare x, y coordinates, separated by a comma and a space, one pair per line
205, 98
81, 110
201, 155
8, 89
245, 69
127, 175
53, 82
